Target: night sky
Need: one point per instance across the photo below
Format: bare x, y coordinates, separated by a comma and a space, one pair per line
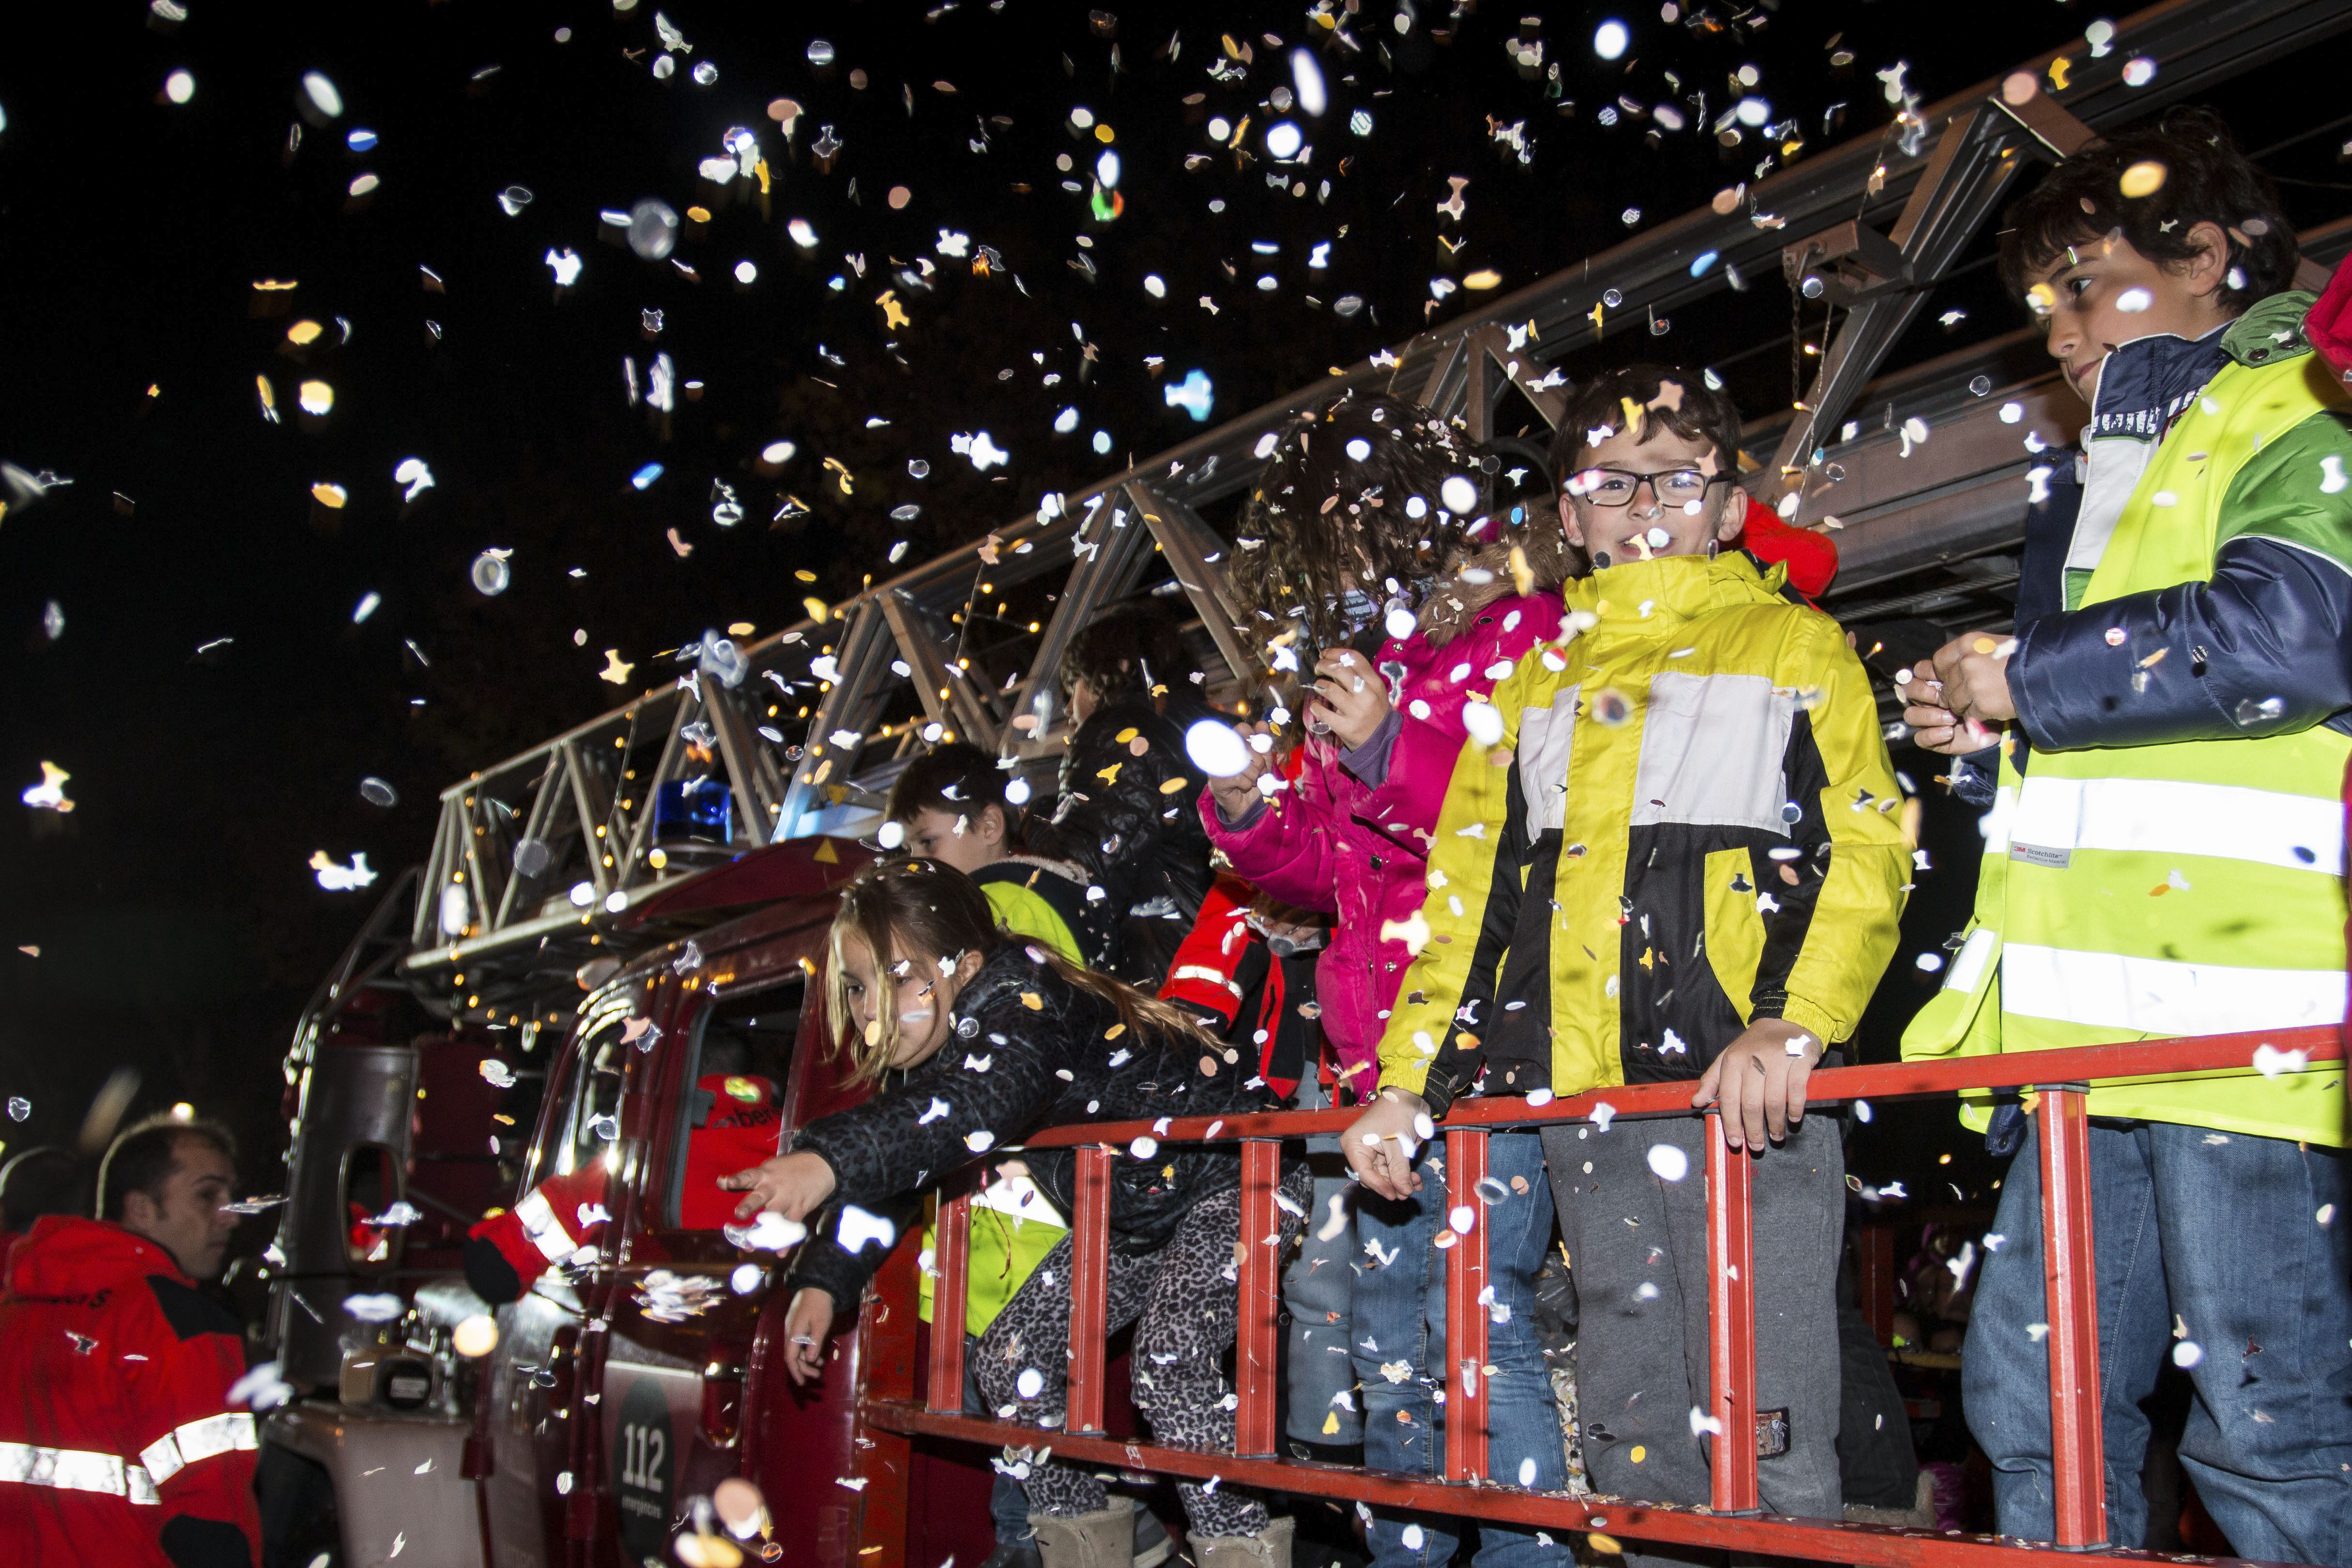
178, 923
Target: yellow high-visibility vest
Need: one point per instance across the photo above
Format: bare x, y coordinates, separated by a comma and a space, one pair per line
2141, 892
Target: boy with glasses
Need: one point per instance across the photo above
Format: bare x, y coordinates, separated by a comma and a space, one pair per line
1671, 851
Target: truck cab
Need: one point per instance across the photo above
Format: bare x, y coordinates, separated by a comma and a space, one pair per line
633, 1380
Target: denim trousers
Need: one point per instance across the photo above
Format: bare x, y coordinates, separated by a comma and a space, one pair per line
2228, 1253
1401, 1354
1317, 1290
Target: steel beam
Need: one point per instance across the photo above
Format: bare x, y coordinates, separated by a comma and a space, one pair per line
1111, 549
862, 652
1196, 554
947, 692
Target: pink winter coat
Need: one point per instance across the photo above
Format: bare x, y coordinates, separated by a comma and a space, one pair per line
1327, 844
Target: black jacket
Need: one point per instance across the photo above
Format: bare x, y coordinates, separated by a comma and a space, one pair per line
1127, 819
1010, 1069
2265, 648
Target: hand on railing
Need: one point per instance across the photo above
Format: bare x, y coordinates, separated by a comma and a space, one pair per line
1761, 1078
791, 1184
1381, 1144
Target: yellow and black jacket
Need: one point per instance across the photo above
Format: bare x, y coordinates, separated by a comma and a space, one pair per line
1689, 822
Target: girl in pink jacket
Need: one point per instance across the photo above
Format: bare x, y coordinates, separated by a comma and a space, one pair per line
1370, 520
1348, 535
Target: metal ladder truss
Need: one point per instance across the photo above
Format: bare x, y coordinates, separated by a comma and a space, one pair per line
1732, 1518
1924, 526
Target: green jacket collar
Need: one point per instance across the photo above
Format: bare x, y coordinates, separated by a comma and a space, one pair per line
2270, 331
1662, 595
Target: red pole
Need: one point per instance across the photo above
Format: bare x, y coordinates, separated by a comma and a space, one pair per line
1089, 1289
951, 1259
1465, 1315
2078, 1457
1256, 1358
1873, 1248
1730, 1322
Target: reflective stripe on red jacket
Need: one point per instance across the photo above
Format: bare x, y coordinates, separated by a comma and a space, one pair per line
118, 1443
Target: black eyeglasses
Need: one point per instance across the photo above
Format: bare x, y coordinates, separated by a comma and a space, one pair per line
1617, 487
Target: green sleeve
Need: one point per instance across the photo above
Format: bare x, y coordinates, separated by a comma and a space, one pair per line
1024, 913
2298, 490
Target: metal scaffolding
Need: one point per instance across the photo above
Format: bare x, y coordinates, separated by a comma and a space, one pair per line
537, 859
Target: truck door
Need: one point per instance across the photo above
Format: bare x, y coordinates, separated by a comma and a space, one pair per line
688, 1310
536, 1486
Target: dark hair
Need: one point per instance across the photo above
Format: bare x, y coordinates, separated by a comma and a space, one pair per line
1132, 648
1698, 414
934, 914
143, 1156
958, 778
1319, 514
38, 1181
2206, 180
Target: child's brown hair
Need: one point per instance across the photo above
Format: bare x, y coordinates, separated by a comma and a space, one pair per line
2203, 179
935, 915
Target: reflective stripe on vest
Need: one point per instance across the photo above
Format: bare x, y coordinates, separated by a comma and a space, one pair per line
76, 1471
546, 1232
187, 1444
2054, 817
2151, 996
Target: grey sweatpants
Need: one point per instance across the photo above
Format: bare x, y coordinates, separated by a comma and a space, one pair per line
1637, 1251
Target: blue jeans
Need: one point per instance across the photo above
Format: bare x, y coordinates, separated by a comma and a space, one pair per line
2222, 1230
1317, 1289
1399, 1313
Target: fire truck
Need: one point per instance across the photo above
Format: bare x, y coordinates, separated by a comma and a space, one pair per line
601, 915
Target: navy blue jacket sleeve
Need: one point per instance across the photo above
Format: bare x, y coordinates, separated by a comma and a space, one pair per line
2259, 650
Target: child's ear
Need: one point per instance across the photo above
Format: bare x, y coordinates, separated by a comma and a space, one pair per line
1734, 521
2207, 270
966, 967
991, 824
1568, 522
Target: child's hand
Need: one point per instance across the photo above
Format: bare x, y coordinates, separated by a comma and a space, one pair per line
1974, 671
1760, 1077
1934, 727
1380, 1146
807, 1321
791, 1184
1349, 696
1235, 796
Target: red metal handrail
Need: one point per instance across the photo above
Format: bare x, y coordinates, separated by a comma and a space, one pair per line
1732, 1522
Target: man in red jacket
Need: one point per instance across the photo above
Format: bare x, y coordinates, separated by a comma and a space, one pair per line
118, 1442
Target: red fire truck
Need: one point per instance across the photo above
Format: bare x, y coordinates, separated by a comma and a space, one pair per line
616, 1392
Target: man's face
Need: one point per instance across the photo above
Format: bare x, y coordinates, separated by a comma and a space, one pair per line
1697, 510
187, 1217
2102, 294
965, 841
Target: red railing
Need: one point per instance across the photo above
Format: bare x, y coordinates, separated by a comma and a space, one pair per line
1732, 1520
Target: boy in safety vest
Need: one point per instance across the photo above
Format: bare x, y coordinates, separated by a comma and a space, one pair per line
2165, 854
1671, 851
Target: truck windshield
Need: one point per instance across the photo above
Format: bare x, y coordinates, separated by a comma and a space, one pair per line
741, 1063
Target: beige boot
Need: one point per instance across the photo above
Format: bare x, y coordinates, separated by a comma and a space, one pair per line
1104, 1538
1269, 1548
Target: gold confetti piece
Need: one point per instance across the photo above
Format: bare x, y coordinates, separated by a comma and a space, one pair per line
1124, 736
1983, 644
804, 575
1115, 1031
1030, 1000
1172, 786
1639, 1454
1331, 1423
816, 608
1605, 1544
616, 668
2143, 179
329, 495
2058, 69
1484, 278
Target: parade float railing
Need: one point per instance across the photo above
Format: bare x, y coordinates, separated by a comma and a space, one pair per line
538, 858
2056, 1084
